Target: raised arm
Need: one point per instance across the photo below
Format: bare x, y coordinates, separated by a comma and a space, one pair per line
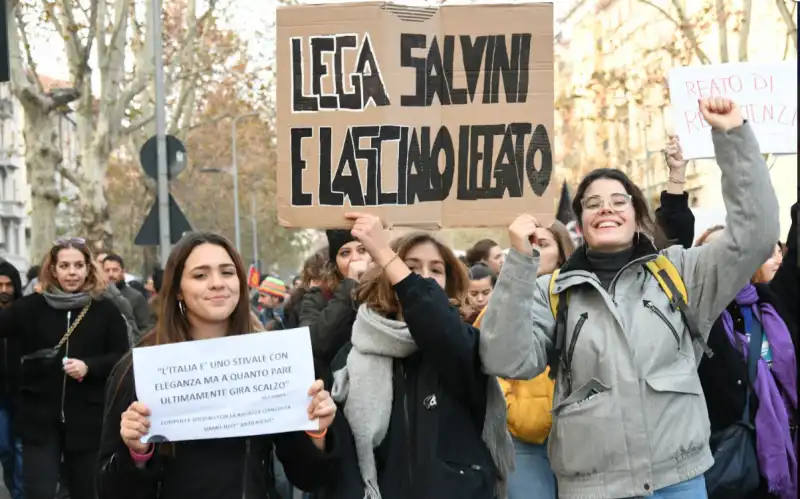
714, 273
517, 328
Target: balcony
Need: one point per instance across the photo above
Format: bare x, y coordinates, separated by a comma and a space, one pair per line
12, 209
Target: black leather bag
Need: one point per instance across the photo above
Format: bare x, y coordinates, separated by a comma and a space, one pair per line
735, 474
49, 357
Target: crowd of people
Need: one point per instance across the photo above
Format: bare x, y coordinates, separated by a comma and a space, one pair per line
632, 362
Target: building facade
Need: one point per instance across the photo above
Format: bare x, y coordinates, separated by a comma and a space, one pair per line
612, 102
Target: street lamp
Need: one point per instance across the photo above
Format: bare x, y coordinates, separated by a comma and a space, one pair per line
254, 226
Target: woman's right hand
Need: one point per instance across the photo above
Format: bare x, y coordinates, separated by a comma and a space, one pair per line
135, 424
522, 233
357, 268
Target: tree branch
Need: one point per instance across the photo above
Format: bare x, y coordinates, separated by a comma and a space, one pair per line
722, 31
137, 125
68, 174
13, 42
682, 23
744, 32
788, 18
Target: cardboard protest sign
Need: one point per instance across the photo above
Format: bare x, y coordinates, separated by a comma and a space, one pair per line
427, 116
765, 91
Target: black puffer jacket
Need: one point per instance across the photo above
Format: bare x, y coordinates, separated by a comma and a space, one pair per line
330, 318
231, 468
433, 448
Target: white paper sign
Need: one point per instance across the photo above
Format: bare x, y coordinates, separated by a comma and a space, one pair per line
251, 384
765, 91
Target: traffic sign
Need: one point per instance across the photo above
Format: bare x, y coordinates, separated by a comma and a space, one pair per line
178, 225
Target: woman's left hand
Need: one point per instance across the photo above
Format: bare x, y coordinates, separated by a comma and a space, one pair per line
368, 229
322, 406
76, 369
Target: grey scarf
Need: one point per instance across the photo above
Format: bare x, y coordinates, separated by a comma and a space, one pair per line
60, 300
366, 385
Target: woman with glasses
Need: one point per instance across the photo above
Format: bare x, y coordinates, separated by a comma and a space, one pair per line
69, 338
629, 416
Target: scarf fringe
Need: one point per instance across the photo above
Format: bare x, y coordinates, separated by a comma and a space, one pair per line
371, 490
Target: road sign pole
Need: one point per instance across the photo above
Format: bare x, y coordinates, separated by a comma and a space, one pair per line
161, 131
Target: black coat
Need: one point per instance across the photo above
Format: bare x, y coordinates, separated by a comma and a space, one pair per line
433, 448
47, 396
329, 317
9, 350
230, 468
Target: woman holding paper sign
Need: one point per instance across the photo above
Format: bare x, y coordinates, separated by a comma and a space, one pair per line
421, 418
204, 296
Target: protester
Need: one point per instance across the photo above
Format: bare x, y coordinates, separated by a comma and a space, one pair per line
271, 296
32, 276
114, 267
329, 310
481, 283
69, 339
421, 419
673, 216
488, 252
310, 277
204, 296
10, 443
629, 418
771, 301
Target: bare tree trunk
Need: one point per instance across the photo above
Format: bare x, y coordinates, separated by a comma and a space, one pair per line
93, 207
722, 31
744, 33
41, 157
791, 26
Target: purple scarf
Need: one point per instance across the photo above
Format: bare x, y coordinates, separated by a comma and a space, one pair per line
777, 395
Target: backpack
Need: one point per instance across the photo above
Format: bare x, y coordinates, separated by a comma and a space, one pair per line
670, 282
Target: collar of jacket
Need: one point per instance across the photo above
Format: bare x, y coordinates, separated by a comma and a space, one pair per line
578, 270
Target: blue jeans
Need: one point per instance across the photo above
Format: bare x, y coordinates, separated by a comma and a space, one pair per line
532, 477
10, 455
690, 489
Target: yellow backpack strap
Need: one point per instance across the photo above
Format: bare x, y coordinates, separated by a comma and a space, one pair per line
553, 295
671, 282
559, 311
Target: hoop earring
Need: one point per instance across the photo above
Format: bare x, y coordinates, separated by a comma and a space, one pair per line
182, 308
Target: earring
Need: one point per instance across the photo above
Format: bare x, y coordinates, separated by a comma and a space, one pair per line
182, 308
638, 237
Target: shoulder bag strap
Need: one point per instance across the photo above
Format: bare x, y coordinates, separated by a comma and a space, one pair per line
73, 326
753, 327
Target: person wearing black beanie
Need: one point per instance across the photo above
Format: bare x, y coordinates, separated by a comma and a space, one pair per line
329, 310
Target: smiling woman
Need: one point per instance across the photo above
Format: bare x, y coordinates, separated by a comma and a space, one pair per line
204, 296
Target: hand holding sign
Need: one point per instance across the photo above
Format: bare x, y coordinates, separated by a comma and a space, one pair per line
134, 425
322, 406
721, 113
522, 233
674, 155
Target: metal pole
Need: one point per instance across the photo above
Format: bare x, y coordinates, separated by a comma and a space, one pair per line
235, 172
164, 239
255, 227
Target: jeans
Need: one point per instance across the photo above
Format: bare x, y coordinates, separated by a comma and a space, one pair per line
690, 489
10, 455
43, 469
532, 477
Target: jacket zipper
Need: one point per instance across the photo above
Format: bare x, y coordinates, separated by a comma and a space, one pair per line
613, 286
407, 427
666, 321
64, 379
571, 350
244, 470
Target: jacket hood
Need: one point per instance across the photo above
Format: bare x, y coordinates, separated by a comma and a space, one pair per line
12, 273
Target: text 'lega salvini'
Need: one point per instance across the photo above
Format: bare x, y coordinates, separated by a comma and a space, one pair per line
492, 160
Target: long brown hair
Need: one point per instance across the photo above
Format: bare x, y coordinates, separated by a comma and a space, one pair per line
95, 284
377, 292
313, 267
705, 235
563, 240
171, 325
